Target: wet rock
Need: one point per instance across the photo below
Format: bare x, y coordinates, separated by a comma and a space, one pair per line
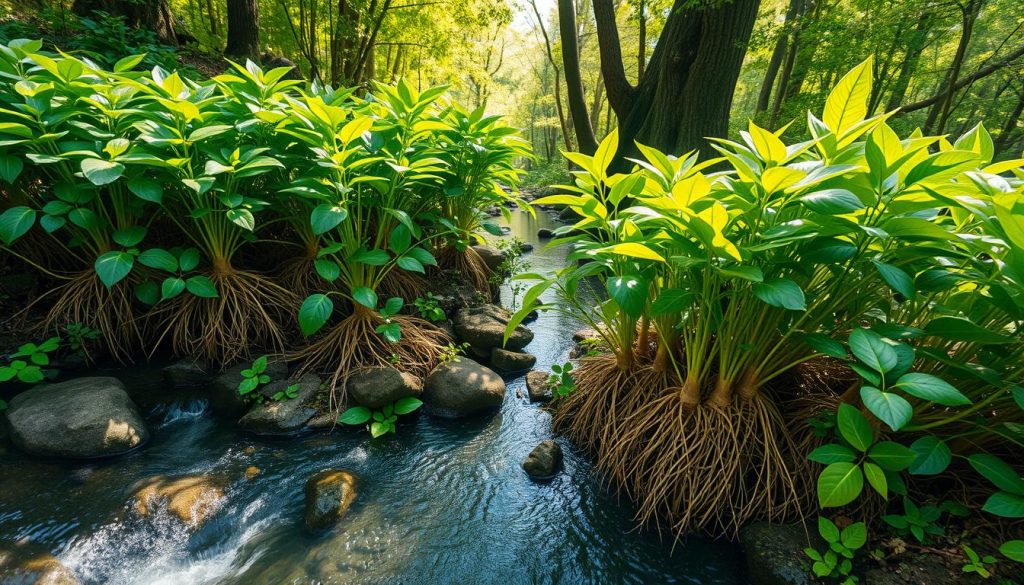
491, 256
537, 386
526, 247
380, 386
921, 569
545, 233
462, 388
453, 292
224, 397
286, 416
585, 334
544, 461
251, 472
509, 362
774, 553
82, 418
186, 373
483, 328
30, 564
191, 499
322, 421
329, 494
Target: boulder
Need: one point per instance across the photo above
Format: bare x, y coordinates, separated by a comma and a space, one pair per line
483, 328
510, 362
538, 387
187, 373
491, 256
191, 499
30, 563
461, 388
286, 416
774, 553
379, 386
224, 397
82, 418
544, 461
545, 233
526, 247
329, 494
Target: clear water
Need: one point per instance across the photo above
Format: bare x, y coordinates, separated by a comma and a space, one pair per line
441, 502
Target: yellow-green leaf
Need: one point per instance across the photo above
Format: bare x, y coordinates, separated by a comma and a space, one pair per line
848, 103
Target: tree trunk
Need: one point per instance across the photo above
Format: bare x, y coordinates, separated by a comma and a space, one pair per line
939, 114
915, 47
641, 53
1003, 140
573, 80
243, 29
558, 78
213, 17
154, 15
595, 106
776, 59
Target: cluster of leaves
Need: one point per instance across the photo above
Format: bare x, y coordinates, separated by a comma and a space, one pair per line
429, 308
254, 376
560, 380
837, 560
381, 421
28, 362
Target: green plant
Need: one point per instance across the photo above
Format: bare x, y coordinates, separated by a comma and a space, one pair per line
254, 376
429, 308
982, 566
79, 337
30, 370
289, 393
452, 351
381, 421
837, 560
919, 521
513, 263
560, 380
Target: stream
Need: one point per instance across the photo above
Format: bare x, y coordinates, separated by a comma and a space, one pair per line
440, 502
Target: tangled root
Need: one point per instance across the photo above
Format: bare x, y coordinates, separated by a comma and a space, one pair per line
696, 466
401, 283
85, 299
223, 330
299, 276
354, 343
470, 264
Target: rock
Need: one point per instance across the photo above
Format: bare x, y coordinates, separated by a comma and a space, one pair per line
537, 386
483, 327
251, 472
186, 373
509, 362
568, 214
493, 211
526, 247
461, 388
380, 386
224, 397
329, 494
492, 257
82, 418
191, 499
921, 569
270, 61
322, 421
774, 553
585, 334
544, 461
545, 233
27, 563
287, 416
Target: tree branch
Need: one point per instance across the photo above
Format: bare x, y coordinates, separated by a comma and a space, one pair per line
620, 92
965, 81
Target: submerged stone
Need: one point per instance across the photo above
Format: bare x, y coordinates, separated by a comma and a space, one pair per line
29, 563
483, 328
186, 373
462, 388
774, 553
545, 233
509, 362
82, 418
288, 415
379, 386
544, 461
191, 499
329, 494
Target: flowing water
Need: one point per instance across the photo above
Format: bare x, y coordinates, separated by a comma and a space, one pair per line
440, 502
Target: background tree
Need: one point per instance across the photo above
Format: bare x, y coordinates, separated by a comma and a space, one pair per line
243, 29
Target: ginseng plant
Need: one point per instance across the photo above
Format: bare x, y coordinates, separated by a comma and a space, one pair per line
75, 164
481, 153
377, 184
224, 177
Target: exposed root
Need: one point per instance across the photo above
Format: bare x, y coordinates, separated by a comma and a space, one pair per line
470, 264
245, 316
353, 343
85, 299
299, 276
404, 284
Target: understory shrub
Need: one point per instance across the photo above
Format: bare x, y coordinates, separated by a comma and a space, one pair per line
752, 296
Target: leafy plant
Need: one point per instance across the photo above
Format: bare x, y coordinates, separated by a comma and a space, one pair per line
982, 566
452, 351
919, 521
560, 380
289, 393
254, 376
429, 308
512, 264
837, 560
30, 369
382, 421
79, 337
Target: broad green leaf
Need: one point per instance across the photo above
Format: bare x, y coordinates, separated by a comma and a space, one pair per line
371, 257
890, 408
782, 293
928, 387
357, 415
15, 222
407, 405
839, 484
832, 201
325, 218
854, 427
146, 189
243, 218
870, 348
998, 472
855, 535
1005, 505
130, 237
10, 168
201, 286
828, 530
897, 279
172, 287
847, 104
411, 264
101, 172
159, 259
189, 259
634, 250
960, 329
832, 453
1013, 550
630, 293
112, 267
365, 296
825, 345
891, 456
876, 478
327, 269
932, 456
314, 313
147, 292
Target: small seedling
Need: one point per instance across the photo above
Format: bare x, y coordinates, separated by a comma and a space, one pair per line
390, 329
254, 376
837, 561
29, 370
451, 352
381, 421
561, 381
430, 308
289, 393
79, 336
978, 564
919, 521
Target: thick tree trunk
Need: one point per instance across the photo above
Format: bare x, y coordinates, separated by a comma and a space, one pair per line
154, 15
573, 80
243, 29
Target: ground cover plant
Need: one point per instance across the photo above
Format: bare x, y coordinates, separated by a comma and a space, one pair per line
892, 265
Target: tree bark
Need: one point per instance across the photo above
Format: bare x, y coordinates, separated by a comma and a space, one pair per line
573, 79
915, 47
154, 15
939, 114
243, 29
641, 53
558, 78
1003, 140
778, 53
